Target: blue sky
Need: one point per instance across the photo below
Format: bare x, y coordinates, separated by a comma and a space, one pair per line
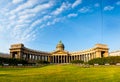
40, 24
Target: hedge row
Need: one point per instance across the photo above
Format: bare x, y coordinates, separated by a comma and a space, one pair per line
77, 61
101, 61
43, 62
11, 61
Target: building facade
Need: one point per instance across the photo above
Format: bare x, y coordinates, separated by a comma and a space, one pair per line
60, 55
4, 55
115, 53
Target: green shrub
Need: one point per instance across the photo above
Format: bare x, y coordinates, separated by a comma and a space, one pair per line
77, 61
43, 62
101, 61
12, 61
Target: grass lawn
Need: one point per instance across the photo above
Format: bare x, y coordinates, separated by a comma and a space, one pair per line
61, 73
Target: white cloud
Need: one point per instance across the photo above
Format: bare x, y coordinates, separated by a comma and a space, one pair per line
61, 9
35, 23
17, 1
26, 16
97, 5
84, 10
118, 3
39, 21
55, 20
12, 17
28, 4
108, 8
21, 34
37, 9
72, 15
76, 3
1, 28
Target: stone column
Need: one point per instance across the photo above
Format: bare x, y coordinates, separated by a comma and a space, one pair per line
38, 57
69, 58
77, 57
92, 55
30, 57
72, 58
88, 57
35, 57
64, 59
53, 58
19, 55
84, 57
58, 58
61, 59
80, 57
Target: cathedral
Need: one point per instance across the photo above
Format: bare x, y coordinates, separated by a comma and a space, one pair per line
60, 55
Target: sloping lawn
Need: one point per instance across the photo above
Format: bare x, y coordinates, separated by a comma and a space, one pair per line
61, 73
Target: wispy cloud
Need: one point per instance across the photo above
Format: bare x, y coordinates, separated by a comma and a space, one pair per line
96, 4
37, 8
17, 1
28, 4
118, 3
55, 20
72, 15
84, 9
76, 3
108, 8
63, 7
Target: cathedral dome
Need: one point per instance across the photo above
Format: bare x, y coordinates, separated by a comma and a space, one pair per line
60, 46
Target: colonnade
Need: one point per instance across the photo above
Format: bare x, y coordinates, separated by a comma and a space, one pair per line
57, 58
69, 58
31, 57
34, 57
